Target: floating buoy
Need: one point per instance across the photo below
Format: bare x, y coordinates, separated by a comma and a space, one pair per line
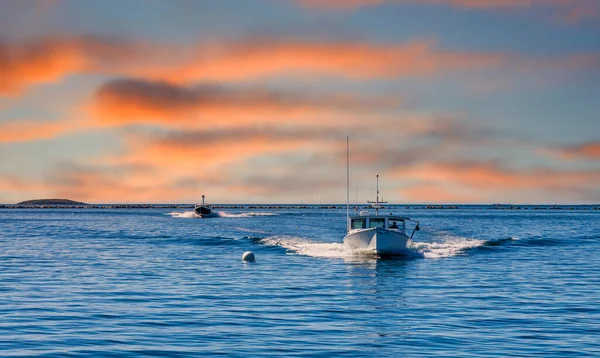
248, 256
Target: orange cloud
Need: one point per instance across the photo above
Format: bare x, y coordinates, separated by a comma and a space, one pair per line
19, 185
38, 64
491, 181
435, 194
174, 167
28, 130
256, 155
50, 60
99, 187
350, 60
137, 101
96, 188
589, 150
93, 186
181, 153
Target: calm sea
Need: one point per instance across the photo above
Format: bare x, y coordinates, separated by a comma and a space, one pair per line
160, 282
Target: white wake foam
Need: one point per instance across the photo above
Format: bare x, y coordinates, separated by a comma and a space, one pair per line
445, 246
185, 215
308, 247
224, 214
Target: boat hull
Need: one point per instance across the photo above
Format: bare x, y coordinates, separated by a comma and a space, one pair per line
204, 211
378, 241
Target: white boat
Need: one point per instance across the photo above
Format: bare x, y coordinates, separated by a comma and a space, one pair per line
381, 235
203, 210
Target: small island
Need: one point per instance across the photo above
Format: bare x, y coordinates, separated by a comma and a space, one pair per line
54, 202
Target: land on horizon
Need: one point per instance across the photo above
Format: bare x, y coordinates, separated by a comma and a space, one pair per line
53, 201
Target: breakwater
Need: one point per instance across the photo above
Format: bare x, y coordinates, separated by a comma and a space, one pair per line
304, 207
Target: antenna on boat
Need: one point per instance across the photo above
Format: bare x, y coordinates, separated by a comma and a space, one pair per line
356, 200
347, 183
202, 199
376, 204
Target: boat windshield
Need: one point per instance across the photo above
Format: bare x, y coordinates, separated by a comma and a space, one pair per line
396, 223
377, 222
360, 223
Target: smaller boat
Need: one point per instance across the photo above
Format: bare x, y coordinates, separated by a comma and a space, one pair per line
204, 210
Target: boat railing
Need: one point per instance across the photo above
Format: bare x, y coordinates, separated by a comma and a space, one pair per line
415, 229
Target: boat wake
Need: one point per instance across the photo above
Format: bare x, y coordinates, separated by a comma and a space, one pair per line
244, 215
222, 214
184, 215
308, 247
444, 246
449, 246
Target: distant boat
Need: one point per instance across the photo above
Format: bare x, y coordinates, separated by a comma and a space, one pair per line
381, 235
204, 210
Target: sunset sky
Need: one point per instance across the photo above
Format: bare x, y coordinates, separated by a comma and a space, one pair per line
449, 101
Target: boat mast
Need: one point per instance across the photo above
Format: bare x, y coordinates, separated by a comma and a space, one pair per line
377, 189
202, 199
347, 183
376, 204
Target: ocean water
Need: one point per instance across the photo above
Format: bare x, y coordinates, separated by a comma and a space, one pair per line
162, 282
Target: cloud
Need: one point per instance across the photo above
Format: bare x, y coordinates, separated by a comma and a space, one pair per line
291, 184
436, 193
353, 60
401, 138
93, 188
180, 152
274, 157
173, 167
490, 181
292, 162
29, 130
9, 185
126, 101
52, 59
100, 186
584, 151
569, 10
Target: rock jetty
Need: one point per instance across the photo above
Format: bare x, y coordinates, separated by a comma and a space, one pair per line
71, 204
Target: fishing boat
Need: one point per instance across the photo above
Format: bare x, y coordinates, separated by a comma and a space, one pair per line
381, 235
203, 210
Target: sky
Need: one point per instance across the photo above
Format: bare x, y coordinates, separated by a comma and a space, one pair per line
161, 101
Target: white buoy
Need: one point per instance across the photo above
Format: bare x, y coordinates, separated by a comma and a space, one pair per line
248, 256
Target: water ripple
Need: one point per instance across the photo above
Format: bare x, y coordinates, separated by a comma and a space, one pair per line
145, 283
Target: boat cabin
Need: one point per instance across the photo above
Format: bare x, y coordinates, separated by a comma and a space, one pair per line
378, 221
